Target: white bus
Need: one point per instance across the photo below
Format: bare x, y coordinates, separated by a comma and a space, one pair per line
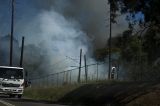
12, 81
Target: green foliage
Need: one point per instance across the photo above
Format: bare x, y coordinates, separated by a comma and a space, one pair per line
152, 45
102, 53
139, 52
150, 9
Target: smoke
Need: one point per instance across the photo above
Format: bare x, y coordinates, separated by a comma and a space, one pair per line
50, 38
5, 50
56, 39
55, 30
92, 15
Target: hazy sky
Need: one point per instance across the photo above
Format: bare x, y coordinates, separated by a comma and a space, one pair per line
91, 15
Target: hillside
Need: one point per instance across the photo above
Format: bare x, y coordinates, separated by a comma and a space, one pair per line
100, 94
115, 94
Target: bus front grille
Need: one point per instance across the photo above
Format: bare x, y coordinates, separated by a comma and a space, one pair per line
10, 85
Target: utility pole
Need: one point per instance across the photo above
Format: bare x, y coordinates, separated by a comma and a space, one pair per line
86, 71
63, 77
97, 71
70, 77
22, 49
12, 31
67, 77
57, 79
79, 74
110, 38
118, 70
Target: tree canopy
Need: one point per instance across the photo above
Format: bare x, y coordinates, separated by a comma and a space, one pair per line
139, 50
150, 8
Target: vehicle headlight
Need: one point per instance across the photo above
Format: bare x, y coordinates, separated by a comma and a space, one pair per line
5, 79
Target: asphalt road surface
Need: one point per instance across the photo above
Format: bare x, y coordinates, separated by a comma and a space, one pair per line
6, 101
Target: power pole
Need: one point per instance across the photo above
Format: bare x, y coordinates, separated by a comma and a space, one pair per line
12, 31
79, 74
86, 71
110, 38
57, 79
70, 77
67, 77
118, 70
22, 49
97, 71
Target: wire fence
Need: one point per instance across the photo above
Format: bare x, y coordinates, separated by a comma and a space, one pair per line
91, 72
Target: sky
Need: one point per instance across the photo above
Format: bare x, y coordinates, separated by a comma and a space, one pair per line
55, 30
91, 15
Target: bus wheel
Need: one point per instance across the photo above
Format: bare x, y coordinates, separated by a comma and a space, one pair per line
19, 96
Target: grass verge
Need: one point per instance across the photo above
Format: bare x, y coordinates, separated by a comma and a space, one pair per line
51, 94
100, 93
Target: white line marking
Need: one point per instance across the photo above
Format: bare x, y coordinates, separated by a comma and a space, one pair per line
6, 103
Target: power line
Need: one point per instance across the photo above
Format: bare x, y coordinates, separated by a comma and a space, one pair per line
44, 76
63, 60
75, 60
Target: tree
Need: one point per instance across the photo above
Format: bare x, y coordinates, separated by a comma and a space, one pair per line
140, 51
147, 8
152, 45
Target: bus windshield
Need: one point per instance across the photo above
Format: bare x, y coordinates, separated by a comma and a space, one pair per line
11, 73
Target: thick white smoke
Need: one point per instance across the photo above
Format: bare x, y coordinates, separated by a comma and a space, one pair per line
54, 31
55, 38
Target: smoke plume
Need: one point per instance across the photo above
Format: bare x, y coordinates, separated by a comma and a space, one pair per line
55, 31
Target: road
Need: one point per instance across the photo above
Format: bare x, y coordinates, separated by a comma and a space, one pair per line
6, 101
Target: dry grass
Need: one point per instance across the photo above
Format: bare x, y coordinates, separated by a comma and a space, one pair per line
49, 93
102, 92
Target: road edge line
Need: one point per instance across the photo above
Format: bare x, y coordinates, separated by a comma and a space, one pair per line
6, 103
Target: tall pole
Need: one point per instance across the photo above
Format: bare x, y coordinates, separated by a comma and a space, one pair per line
79, 74
97, 71
57, 79
118, 70
12, 31
22, 49
70, 77
110, 38
85, 64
